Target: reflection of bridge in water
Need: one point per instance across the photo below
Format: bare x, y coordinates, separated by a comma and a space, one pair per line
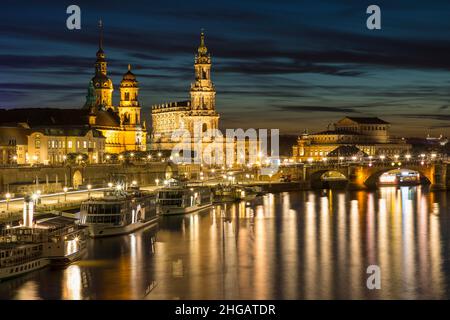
367, 175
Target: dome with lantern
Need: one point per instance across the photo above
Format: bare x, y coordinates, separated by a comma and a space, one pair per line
129, 79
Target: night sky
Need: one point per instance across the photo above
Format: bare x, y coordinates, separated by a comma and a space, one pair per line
291, 65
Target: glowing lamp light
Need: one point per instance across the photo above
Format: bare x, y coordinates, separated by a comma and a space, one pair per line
110, 184
382, 157
408, 156
65, 189
89, 187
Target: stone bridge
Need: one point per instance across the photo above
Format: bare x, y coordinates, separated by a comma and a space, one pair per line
362, 176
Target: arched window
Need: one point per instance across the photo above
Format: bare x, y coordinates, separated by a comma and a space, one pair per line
127, 96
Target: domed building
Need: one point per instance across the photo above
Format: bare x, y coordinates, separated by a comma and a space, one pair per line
121, 125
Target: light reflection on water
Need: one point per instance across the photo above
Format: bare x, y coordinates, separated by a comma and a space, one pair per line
298, 245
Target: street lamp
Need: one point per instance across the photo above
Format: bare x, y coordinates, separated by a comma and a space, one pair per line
65, 193
408, 157
34, 196
110, 184
89, 187
157, 181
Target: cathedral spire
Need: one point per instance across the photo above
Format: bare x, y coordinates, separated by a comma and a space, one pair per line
102, 84
202, 49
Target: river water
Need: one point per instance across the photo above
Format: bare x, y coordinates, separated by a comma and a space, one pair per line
296, 245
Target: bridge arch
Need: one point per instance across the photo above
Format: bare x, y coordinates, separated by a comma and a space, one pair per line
374, 178
328, 179
77, 179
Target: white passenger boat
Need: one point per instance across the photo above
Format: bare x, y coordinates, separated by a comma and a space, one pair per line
178, 199
119, 212
51, 239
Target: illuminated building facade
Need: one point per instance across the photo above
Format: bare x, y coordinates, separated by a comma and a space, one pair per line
49, 145
369, 135
121, 125
199, 111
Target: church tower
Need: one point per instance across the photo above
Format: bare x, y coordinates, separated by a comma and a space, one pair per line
129, 108
102, 84
203, 93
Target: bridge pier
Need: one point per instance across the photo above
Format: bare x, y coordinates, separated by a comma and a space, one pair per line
439, 182
356, 178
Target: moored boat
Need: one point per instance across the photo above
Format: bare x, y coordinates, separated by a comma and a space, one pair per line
119, 212
50, 240
179, 199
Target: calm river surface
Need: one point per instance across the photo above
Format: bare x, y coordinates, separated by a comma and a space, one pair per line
297, 245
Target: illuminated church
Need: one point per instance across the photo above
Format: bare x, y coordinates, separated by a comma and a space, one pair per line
121, 125
200, 109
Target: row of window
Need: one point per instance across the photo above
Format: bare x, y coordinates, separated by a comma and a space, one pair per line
53, 144
26, 267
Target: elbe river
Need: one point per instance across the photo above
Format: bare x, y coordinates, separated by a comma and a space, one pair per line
292, 245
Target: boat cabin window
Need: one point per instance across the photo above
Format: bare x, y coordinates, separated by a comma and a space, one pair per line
106, 208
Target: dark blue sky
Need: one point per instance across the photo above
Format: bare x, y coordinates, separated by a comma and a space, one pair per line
276, 64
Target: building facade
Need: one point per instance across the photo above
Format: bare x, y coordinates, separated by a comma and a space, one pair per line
54, 146
368, 135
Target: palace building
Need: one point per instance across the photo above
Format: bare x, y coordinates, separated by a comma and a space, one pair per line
352, 136
200, 110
